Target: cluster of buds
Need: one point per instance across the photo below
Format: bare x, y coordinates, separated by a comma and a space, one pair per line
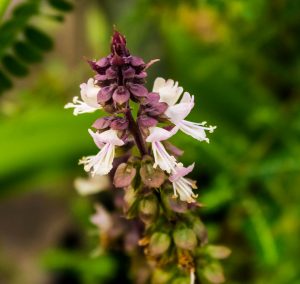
156, 194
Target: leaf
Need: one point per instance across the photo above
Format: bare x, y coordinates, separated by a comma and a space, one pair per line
14, 67
38, 38
27, 52
61, 5
5, 82
26, 9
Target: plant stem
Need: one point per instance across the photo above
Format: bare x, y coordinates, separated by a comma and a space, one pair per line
134, 129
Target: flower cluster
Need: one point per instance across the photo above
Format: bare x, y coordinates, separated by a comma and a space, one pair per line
119, 80
145, 119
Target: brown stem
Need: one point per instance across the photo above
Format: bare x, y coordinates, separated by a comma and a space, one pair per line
135, 131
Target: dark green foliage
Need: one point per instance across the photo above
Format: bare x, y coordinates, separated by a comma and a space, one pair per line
27, 52
5, 82
14, 66
26, 9
37, 41
38, 38
61, 5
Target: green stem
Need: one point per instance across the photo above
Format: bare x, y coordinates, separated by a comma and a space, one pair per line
3, 6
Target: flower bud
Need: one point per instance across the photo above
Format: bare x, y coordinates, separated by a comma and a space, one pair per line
121, 95
119, 124
137, 61
148, 209
129, 200
137, 90
146, 121
160, 276
200, 230
159, 243
128, 73
151, 177
218, 252
111, 73
157, 109
213, 272
124, 175
185, 238
103, 122
105, 94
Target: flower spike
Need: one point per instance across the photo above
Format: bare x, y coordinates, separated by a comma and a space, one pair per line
152, 202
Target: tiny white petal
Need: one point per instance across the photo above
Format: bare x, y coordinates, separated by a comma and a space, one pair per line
91, 185
89, 102
109, 136
102, 219
168, 91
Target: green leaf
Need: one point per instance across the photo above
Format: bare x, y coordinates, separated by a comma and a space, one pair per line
61, 5
38, 38
14, 67
5, 82
26, 9
260, 232
27, 52
7, 33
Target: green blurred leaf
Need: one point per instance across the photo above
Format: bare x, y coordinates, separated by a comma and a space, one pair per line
14, 66
5, 82
38, 38
26, 9
260, 232
61, 5
27, 52
94, 269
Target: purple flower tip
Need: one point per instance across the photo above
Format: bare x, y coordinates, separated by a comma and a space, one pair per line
118, 45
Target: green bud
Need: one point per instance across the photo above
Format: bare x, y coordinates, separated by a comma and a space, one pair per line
148, 209
160, 276
185, 238
124, 175
159, 243
200, 231
150, 176
213, 272
218, 252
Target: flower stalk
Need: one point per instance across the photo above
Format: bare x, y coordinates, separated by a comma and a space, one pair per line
151, 190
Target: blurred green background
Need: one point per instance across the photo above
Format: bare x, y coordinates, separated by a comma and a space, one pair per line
241, 60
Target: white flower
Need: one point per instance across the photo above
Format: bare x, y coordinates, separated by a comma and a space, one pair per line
170, 93
101, 164
182, 186
161, 157
88, 95
168, 90
91, 185
102, 219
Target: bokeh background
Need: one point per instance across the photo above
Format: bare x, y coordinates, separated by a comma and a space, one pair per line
241, 60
